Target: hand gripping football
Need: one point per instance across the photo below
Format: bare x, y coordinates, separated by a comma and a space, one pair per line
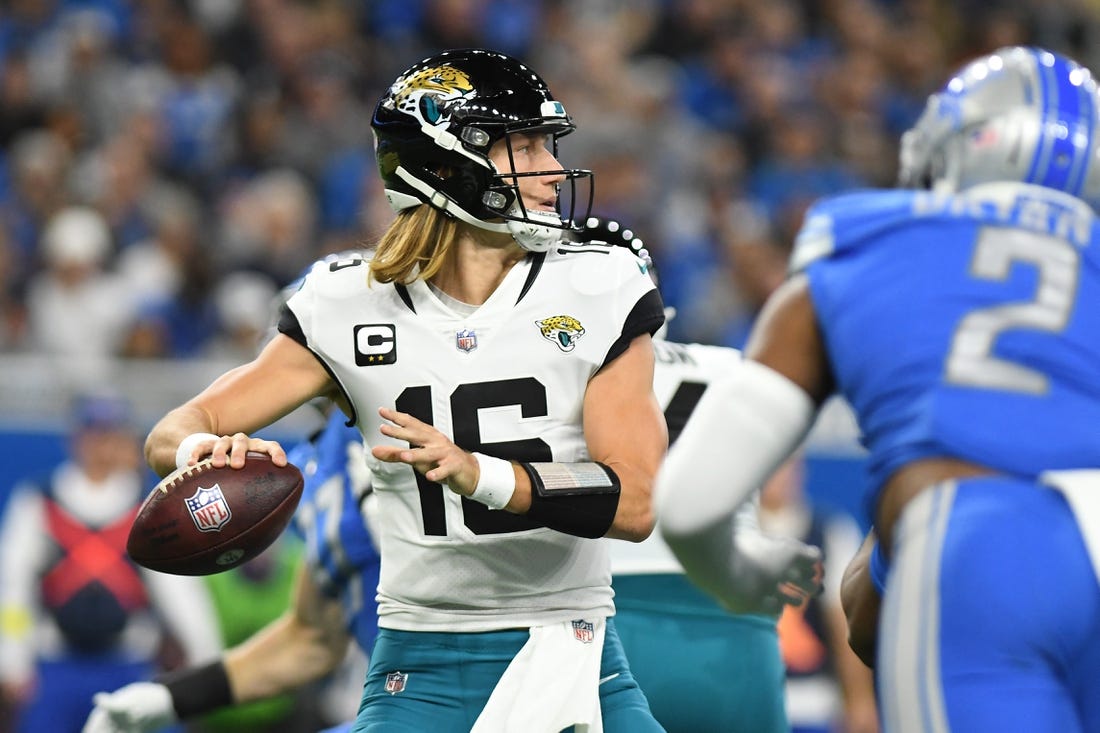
203, 520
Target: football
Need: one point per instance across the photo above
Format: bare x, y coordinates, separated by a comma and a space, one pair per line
203, 520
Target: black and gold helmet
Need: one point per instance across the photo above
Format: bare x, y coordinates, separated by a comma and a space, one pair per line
433, 130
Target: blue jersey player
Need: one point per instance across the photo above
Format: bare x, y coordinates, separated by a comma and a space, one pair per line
334, 521
959, 321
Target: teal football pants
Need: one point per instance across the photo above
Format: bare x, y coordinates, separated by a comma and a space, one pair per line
702, 668
439, 682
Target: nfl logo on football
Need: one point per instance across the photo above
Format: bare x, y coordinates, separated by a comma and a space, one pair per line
466, 340
584, 631
209, 509
395, 682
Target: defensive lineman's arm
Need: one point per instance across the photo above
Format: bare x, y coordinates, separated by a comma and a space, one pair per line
302, 646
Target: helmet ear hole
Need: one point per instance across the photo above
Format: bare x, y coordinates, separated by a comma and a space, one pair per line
466, 185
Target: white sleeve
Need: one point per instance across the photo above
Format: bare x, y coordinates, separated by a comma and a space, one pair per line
741, 431
184, 602
23, 528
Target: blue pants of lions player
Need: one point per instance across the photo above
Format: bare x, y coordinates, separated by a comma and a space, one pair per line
991, 617
450, 677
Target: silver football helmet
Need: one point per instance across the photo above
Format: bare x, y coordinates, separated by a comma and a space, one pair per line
1018, 114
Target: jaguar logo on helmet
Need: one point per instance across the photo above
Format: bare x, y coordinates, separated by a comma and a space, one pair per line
424, 93
562, 330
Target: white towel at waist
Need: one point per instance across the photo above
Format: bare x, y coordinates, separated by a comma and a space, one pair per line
1081, 488
551, 684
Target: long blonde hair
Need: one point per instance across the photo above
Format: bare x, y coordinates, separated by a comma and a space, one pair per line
415, 246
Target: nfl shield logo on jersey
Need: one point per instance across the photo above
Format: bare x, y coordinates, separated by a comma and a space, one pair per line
395, 682
466, 340
209, 509
584, 631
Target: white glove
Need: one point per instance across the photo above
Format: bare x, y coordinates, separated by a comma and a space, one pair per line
768, 571
140, 707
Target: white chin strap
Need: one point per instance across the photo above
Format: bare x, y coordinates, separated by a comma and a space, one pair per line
531, 235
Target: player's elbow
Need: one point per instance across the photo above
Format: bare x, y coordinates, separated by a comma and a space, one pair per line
636, 527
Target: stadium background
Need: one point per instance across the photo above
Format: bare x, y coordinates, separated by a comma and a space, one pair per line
225, 144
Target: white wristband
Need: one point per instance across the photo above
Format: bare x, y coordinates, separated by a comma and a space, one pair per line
497, 481
188, 444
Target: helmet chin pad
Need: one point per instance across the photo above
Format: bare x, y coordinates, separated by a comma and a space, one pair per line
534, 231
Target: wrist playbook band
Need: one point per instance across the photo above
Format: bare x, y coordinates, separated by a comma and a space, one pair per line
183, 452
575, 498
198, 690
497, 481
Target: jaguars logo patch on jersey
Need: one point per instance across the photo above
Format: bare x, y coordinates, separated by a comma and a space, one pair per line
562, 330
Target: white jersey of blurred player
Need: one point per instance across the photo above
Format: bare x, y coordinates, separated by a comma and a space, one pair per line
672, 632
681, 374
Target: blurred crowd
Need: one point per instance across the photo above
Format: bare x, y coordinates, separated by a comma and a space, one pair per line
166, 166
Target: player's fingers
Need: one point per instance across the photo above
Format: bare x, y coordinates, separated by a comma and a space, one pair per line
399, 433
808, 580
201, 450
238, 448
218, 451
415, 435
401, 419
270, 447
791, 595
387, 453
447, 463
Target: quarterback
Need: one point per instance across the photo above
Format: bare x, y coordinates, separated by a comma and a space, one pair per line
502, 379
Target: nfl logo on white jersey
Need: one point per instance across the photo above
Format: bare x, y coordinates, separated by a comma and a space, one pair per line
584, 631
466, 340
209, 509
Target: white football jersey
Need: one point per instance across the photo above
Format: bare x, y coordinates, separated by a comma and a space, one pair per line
507, 380
682, 372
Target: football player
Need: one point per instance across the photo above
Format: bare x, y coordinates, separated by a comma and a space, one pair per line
337, 507
503, 379
959, 323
